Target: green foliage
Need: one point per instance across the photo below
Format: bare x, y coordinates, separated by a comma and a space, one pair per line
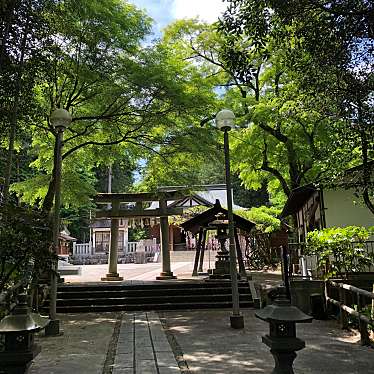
313, 90
340, 250
367, 311
25, 245
136, 234
264, 217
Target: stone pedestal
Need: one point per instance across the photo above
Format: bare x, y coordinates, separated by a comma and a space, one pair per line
166, 275
222, 266
53, 328
283, 351
112, 277
237, 321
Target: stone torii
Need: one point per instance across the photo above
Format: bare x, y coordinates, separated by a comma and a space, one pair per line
117, 212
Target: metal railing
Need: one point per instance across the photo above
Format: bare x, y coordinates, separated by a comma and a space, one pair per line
356, 297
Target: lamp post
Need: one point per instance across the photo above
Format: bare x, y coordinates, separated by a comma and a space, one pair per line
60, 119
225, 122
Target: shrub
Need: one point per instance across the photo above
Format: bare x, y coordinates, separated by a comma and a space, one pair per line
25, 245
340, 250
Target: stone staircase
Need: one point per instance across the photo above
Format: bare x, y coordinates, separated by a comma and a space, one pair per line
161, 295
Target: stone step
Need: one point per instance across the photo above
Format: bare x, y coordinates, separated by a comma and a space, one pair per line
151, 300
141, 307
146, 292
149, 296
147, 286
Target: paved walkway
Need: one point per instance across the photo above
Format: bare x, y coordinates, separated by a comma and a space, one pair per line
142, 347
210, 346
149, 271
190, 342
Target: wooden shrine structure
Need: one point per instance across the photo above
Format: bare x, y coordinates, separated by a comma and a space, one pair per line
120, 208
202, 223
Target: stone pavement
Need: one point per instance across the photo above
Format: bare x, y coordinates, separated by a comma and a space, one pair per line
142, 347
210, 346
190, 342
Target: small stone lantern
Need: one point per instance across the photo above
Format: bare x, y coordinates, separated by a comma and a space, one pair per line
17, 347
282, 340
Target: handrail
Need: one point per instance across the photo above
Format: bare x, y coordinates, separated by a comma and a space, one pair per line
353, 289
345, 309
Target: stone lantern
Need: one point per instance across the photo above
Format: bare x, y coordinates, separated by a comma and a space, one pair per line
222, 266
17, 347
282, 340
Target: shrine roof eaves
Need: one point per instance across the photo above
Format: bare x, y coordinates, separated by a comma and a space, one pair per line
203, 219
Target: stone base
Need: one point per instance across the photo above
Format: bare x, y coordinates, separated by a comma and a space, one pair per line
247, 275
219, 276
53, 328
237, 322
112, 277
13, 362
165, 275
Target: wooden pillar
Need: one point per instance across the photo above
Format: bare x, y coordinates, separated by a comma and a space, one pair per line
113, 249
197, 255
363, 327
239, 254
202, 249
166, 272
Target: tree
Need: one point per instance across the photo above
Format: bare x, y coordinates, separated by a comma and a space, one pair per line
281, 147
126, 99
332, 70
23, 28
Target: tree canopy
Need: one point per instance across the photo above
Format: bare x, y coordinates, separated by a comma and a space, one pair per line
323, 52
298, 76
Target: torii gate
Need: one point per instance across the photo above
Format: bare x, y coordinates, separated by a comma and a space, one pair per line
115, 213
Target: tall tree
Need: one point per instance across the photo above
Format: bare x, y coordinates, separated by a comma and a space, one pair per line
327, 49
282, 143
125, 98
23, 28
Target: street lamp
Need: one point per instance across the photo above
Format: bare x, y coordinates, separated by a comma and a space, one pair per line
225, 122
60, 119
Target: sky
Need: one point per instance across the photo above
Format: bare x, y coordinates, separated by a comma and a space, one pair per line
164, 12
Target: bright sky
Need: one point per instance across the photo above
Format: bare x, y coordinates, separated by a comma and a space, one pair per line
165, 11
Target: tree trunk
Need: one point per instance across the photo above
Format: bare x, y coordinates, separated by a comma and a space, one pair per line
366, 167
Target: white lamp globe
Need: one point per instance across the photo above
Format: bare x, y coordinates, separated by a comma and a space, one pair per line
225, 119
60, 118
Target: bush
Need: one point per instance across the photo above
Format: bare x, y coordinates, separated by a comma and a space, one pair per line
340, 250
25, 245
